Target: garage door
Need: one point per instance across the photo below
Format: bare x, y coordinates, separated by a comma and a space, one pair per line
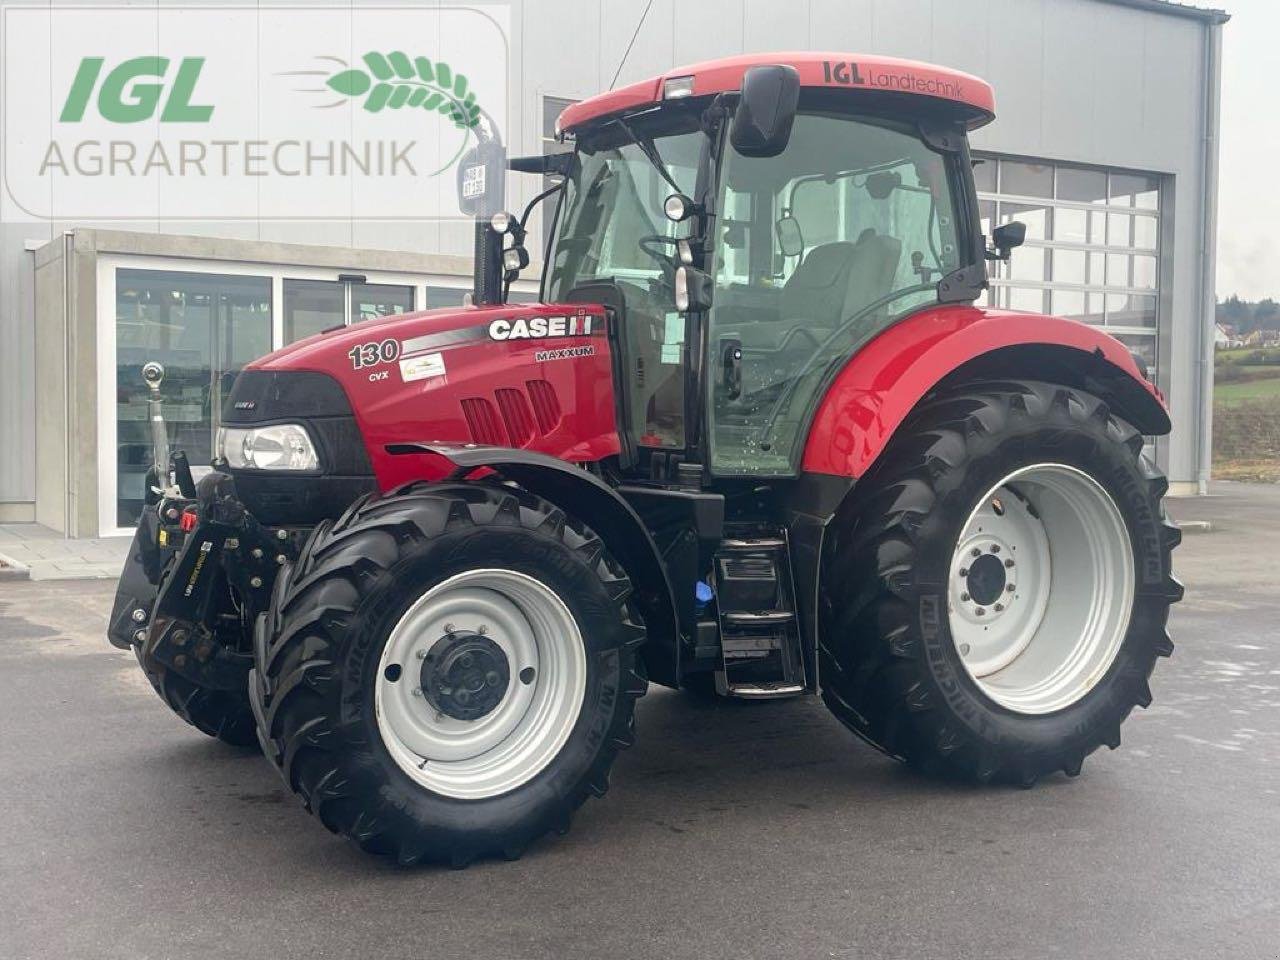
1093, 244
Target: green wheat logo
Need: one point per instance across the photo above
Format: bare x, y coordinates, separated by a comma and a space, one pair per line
393, 81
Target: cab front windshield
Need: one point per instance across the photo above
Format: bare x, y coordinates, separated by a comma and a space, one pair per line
611, 227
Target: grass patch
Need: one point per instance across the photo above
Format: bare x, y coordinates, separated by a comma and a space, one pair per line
1261, 388
1246, 432
1252, 471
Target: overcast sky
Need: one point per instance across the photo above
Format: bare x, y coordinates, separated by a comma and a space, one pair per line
1249, 213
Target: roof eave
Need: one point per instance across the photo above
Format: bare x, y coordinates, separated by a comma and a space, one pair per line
1168, 7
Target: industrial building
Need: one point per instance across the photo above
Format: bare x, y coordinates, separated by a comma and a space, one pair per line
1105, 146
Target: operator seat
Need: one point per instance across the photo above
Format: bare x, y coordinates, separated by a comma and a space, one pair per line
836, 280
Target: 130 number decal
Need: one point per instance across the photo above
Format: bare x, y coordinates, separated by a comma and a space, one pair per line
372, 354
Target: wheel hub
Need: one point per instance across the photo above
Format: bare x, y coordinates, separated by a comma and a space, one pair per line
1040, 588
465, 675
446, 725
985, 579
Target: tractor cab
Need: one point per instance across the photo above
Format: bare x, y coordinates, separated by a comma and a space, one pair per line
752, 223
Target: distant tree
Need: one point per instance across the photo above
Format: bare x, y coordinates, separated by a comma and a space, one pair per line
1248, 317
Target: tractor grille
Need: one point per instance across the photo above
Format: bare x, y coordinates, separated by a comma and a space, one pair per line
483, 422
516, 415
546, 406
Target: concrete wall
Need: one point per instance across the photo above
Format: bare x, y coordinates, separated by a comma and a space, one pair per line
1076, 80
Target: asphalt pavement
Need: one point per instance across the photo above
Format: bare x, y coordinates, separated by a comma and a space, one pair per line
731, 830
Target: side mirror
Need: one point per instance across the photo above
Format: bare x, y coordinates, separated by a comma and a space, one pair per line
766, 110
549, 164
1004, 238
693, 290
790, 239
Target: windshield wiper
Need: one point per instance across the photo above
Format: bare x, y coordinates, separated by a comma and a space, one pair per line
650, 151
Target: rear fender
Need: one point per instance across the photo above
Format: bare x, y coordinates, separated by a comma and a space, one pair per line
880, 385
593, 501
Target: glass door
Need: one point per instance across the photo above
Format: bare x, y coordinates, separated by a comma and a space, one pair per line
202, 328
313, 306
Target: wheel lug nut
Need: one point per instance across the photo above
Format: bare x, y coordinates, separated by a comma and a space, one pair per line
964, 649
980, 612
421, 654
492, 678
999, 607
417, 691
975, 552
964, 597
448, 628
1008, 564
995, 548
1010, 588
964, 571
482, 629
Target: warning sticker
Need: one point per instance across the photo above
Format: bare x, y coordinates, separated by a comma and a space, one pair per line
420, 368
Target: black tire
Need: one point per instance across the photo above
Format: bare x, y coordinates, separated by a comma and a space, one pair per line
318, 649
889, 669
221, 714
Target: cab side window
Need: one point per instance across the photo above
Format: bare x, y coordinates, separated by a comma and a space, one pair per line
846, 231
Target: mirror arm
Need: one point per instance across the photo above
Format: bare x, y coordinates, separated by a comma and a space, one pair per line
528, 210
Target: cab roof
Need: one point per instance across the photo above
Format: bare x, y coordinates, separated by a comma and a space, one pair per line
857, 73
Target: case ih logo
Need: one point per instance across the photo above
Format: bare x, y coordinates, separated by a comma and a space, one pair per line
539, 327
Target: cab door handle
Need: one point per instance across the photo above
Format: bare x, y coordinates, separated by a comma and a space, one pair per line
731, 355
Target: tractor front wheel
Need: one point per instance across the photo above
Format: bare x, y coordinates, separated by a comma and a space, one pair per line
996, 594
448, 672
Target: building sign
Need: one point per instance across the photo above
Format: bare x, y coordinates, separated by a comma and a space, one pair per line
273, 112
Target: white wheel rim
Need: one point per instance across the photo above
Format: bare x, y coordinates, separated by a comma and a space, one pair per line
1041, 588
526, 729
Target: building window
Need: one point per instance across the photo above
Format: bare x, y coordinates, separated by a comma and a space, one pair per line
1093, 244
202, 328
313, 306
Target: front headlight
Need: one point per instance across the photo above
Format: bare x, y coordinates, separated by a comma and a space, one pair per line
280, 446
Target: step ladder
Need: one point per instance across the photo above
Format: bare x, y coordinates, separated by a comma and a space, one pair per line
759, 632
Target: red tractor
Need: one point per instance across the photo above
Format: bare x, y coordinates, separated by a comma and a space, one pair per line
755, 440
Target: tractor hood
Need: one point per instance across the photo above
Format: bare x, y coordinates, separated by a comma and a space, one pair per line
414, 332
533, 376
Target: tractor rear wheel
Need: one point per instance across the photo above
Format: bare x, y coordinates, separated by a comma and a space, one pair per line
448, 672
996, 594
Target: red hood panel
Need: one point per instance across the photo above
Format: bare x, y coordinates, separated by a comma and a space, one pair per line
535, 376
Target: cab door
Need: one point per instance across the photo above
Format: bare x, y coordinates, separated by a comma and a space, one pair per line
849, 229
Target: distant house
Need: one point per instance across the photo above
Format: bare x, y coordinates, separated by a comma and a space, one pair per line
1260, 338
1225, 336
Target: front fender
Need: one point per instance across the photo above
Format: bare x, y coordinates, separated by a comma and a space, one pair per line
882, 382
593, 501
